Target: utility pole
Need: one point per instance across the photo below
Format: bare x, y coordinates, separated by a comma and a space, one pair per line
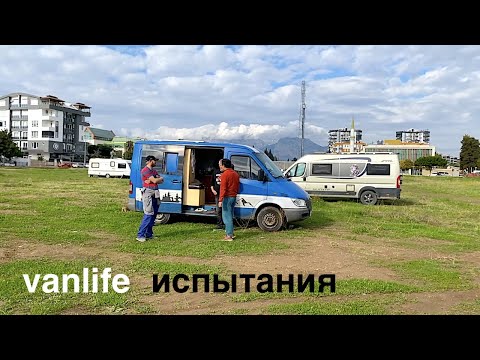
84, 152
302, 120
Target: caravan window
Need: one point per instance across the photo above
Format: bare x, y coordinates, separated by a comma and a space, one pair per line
297, 170
112, 163
321, 169
245, 167
95, 165
122, 166
378, 169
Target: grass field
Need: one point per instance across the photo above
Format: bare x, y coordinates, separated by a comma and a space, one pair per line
418, 255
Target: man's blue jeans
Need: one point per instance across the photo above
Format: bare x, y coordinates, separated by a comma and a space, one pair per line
228, 205
146, 226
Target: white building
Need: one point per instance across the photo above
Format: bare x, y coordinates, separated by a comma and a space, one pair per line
45, 126
413, 135
342, 136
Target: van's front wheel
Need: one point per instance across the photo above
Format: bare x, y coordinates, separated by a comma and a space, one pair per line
368, 197
162, 218
270, 219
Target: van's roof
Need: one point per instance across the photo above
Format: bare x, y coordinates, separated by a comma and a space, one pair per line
317, 156
199, 143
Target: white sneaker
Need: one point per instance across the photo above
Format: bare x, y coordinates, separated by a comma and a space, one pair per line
141, 239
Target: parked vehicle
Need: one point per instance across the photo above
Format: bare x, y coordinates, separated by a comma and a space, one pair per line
365, 176
265, 196
109, 167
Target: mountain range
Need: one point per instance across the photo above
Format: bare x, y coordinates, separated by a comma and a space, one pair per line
284, 149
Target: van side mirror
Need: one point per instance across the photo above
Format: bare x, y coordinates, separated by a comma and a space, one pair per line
261, 176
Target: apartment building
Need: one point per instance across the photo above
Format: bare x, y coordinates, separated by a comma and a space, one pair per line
344, 147
413, 135
340, 136
45, 126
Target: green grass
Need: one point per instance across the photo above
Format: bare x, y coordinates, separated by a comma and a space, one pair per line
15, 297
443, 209
317, 308
45, 210
343, 287
434, 275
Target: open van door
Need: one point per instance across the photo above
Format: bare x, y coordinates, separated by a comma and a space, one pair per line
170, 167
171, 188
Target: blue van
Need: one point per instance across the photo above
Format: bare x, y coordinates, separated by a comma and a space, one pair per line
265, 195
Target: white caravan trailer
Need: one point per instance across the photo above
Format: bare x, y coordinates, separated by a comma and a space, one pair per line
109, 167
365, 176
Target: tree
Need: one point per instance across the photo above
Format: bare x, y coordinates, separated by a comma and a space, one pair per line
127, 155
92, 151
269, 154
8, 148
406, 164
430, 161
469, 153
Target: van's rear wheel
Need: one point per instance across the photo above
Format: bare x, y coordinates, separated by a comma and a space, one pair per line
368, 197
270, 219
107, 175
162, 218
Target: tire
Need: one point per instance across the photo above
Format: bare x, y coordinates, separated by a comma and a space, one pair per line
270, 219
107, 176
162, 218
368, 197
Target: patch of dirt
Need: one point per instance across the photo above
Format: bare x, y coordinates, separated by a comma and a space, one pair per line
436, 303
347, 259
15, 212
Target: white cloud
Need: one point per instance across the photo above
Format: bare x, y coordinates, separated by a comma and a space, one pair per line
254, 91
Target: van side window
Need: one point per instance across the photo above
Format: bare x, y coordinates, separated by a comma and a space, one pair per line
112, 163
95, 165
321, 169
245, 166
159, 166
122, 166
297, 170
378, 169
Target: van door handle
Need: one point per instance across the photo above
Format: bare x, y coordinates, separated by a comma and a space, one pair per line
176, 181
304, 178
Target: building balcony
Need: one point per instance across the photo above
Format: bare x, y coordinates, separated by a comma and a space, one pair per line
50, 117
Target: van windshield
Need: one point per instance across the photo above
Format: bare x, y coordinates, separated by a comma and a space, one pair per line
270, 165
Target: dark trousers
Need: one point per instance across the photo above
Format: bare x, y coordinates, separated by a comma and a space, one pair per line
219, 212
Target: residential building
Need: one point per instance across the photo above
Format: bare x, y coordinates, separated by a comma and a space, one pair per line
413, 135
44, 126
341, 136
95, 136
452, 160
345, 147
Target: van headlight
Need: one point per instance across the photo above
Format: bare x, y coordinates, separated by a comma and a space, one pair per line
299, 202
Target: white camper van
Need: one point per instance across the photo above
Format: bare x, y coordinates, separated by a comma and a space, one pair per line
109, 167
365, 176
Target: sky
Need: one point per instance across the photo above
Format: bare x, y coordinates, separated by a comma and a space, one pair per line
254, 92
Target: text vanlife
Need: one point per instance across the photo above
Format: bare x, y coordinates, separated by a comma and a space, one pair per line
51, 282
